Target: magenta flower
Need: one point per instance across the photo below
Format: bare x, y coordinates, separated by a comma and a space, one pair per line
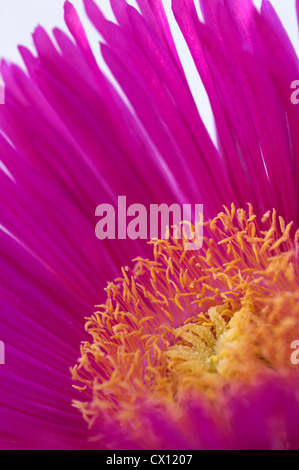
193, 347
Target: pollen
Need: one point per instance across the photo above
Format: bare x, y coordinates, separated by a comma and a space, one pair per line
193, 321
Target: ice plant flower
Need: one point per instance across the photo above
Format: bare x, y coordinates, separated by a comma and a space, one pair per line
195, 347
192, 347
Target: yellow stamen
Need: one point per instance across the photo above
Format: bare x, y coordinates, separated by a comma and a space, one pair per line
194, 321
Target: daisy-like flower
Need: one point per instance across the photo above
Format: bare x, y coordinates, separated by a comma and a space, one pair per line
186, 349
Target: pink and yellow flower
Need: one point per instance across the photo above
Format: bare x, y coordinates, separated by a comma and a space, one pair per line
191, 347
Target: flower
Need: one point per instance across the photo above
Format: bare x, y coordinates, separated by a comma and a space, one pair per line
71, 139
196, 339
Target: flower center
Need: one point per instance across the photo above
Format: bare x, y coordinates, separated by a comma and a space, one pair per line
201, 342
193, 322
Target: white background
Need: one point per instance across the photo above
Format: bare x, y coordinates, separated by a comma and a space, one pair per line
18, 18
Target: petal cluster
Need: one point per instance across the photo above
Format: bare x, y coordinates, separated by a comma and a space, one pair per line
212, 327
71, 138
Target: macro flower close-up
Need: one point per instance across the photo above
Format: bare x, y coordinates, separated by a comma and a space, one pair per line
127, 323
